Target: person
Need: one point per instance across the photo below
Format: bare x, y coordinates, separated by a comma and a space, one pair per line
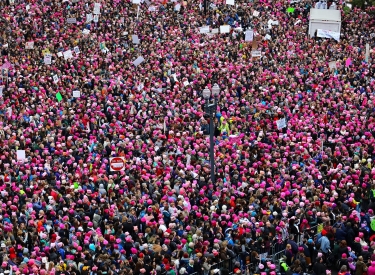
318, 4
319, 268
371, 269
343, 261
343, 271
104, 149
343, 249
333, 6
360, 267
325, 244
289, 255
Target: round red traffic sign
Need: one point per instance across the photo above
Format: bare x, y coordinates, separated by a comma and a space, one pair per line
117, 164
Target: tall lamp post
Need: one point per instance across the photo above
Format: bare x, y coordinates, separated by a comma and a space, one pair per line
210, 110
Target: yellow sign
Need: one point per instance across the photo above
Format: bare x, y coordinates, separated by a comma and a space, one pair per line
320, 228
45, 51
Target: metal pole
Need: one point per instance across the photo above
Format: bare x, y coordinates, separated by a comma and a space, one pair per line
205, 6
212, 155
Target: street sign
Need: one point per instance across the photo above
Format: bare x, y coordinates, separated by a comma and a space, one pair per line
117, 163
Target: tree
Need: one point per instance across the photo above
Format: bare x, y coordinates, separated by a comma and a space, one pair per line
363, 4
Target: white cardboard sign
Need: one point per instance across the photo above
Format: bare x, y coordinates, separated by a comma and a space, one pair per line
71, 20
225, 29
138, 61
29, 45
76, 93
281, 123
68, 54
249, 35
21, 155
48, 59
204, 29
96, 8
256, 53
135, 39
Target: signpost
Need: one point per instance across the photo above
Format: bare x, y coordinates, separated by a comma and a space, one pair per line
117, 163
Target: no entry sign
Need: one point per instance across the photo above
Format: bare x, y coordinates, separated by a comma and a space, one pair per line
117, 164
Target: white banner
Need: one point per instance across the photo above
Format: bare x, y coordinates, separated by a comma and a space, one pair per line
328, 34
204, 29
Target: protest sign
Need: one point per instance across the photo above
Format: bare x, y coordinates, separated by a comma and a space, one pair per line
204, 29
328, 34
89, 17
76, 93
256, 13
21, 155
135, 39
332, 65
71, 20
96, 18
367, 53
68, 54
348, 62
48, 59
281, 123
230, 2
215, 31
249, 35
76, 50
45, 51
256, 53
138, 61
96, 8
224, 29
59, 97
55, 78
29, 45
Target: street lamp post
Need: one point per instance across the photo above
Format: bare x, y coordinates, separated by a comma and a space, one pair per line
210, 110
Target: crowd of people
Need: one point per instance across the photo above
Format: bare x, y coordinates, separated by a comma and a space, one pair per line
85, 81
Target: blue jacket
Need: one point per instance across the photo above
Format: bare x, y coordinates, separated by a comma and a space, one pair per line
340, 234
324, 244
